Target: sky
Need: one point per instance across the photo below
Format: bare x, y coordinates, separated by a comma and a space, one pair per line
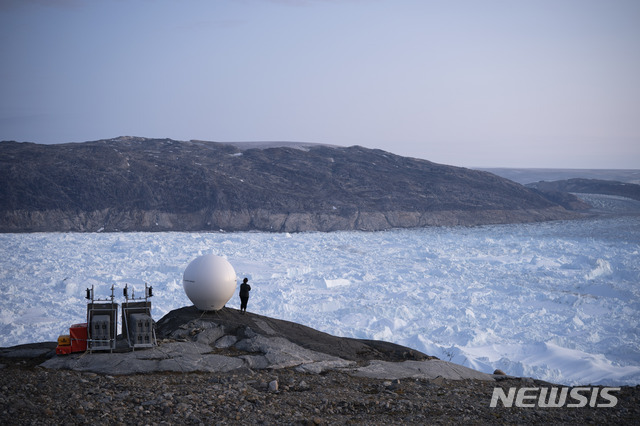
473, 83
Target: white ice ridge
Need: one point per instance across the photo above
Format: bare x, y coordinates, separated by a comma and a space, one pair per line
557, 301
336, 283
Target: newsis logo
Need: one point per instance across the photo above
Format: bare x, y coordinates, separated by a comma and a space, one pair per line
555, 397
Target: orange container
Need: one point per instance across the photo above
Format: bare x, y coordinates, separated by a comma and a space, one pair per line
78, 333
63, 350
64, 340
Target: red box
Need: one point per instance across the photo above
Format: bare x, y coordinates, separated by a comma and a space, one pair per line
63, 350
78, 333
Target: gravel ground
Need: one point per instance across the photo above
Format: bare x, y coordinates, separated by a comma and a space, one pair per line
32, 395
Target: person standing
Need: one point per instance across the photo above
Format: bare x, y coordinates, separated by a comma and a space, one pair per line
245, 288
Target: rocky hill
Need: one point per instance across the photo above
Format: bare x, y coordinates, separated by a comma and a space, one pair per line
139, 184
590, 186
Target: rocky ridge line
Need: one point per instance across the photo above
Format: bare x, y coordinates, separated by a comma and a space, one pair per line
138, 184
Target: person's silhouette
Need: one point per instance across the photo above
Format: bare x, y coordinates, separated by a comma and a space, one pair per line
244, 295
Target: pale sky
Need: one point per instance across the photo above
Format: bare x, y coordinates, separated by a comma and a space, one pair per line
476, 83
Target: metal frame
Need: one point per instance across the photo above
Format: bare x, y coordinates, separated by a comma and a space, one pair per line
137, 306
94, 309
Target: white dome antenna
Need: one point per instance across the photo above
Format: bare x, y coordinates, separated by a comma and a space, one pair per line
209, 282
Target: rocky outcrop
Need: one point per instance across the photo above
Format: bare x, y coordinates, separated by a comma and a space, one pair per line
34, 395
210, 327
566, 200
137, 184
227, 340
220, 387
590, 186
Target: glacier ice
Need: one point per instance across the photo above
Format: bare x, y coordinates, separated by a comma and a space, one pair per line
559, 301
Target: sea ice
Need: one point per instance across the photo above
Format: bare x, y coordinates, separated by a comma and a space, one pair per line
559, 301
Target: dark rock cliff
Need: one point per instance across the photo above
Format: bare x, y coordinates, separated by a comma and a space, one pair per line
138, 184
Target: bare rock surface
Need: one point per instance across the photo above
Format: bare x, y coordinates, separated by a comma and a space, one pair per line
183, 322
430, 369
194, 341
30, 394
227, 368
